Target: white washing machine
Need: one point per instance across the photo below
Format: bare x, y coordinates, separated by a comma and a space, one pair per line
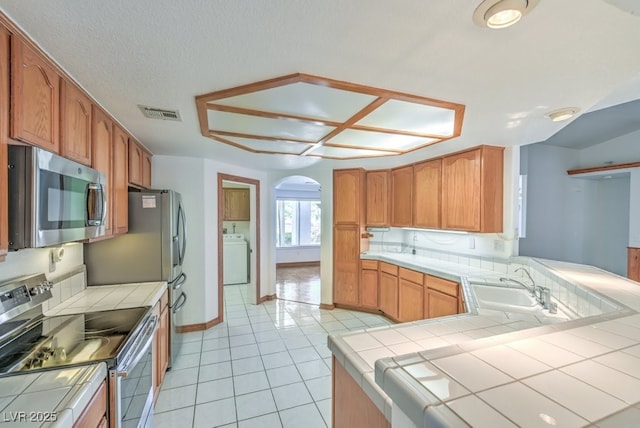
234, 258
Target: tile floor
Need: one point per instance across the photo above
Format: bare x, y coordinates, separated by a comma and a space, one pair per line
265, 366
299, 284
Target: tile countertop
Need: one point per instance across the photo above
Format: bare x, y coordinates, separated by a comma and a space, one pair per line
491, 368
106, 297
52, 399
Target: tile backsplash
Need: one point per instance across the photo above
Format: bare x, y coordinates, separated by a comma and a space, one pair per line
65, 286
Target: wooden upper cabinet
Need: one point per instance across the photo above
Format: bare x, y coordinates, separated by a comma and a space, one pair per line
120, 181
427, 191
135, 163
402, 196
377, 200
102, 144
35, 98
633, 263
146, 169
472, 190
139, 165
236, 204
4, 133
348, 196
75, 124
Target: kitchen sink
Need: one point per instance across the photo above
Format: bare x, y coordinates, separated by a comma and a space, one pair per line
514, 299
506, 299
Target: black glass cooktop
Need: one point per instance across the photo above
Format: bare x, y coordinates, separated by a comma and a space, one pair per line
70, 339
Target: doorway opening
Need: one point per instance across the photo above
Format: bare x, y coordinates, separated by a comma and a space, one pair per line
238, 237
298, 231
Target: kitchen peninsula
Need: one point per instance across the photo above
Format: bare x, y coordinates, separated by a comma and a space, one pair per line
488, 367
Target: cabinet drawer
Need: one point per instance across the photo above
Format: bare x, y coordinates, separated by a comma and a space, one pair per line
369, 264
411, 275
442, 285
389, 268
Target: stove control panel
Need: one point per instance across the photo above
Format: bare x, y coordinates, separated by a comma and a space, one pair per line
15, 297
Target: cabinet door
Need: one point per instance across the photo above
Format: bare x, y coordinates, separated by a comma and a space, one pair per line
120, 181
346, 264
369, 285
427, 188
402, 196
236, 204
439, 304
389, 294
633, 263
75, 123
146, 169
135, 163
95, 411
377, 200
411, 301
461, 191
348, 196
35, 98
102, 144
4, 133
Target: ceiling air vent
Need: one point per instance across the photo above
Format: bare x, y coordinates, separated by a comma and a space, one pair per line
158, 113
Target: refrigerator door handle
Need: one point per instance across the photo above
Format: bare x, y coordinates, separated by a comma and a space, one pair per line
179, 281
182, 232
182, 300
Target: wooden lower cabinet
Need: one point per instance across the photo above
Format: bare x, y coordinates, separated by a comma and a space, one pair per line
351, 407
4, 133
410, 296
161, 343
95, 412
369, 284
441, 297
346, 264
633, 263
389, 290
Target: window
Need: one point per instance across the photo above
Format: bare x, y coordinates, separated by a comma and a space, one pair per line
298, 222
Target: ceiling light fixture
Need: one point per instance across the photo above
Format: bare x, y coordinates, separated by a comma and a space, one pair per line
562, 114
501, 13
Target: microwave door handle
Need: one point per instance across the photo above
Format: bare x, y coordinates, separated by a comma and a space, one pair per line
95, 198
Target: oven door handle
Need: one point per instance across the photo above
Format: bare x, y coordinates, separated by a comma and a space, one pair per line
140, 347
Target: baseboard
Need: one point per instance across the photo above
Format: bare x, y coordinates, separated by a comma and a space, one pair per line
327, 306
267, 298
198, 327
297, 264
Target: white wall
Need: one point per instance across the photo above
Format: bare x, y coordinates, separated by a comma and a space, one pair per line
197, 180
36, 260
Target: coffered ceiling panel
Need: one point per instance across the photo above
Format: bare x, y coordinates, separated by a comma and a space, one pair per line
337, 119
407, 116
260, 126
379, 141
304, 100
266, 146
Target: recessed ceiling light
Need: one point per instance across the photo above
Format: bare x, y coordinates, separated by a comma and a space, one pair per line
562, 114
501, 13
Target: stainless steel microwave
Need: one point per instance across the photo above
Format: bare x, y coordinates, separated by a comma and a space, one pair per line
52, 200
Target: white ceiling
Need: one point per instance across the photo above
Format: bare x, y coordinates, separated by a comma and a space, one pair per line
163, 53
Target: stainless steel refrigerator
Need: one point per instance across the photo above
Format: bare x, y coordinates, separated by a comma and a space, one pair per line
152, 250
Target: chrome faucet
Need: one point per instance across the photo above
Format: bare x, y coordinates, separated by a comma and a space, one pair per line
541, 294
531, 289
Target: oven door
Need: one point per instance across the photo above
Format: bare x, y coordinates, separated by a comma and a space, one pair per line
131, 382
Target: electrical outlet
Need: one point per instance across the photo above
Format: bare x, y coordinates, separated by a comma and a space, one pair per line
472, 243
498, 245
